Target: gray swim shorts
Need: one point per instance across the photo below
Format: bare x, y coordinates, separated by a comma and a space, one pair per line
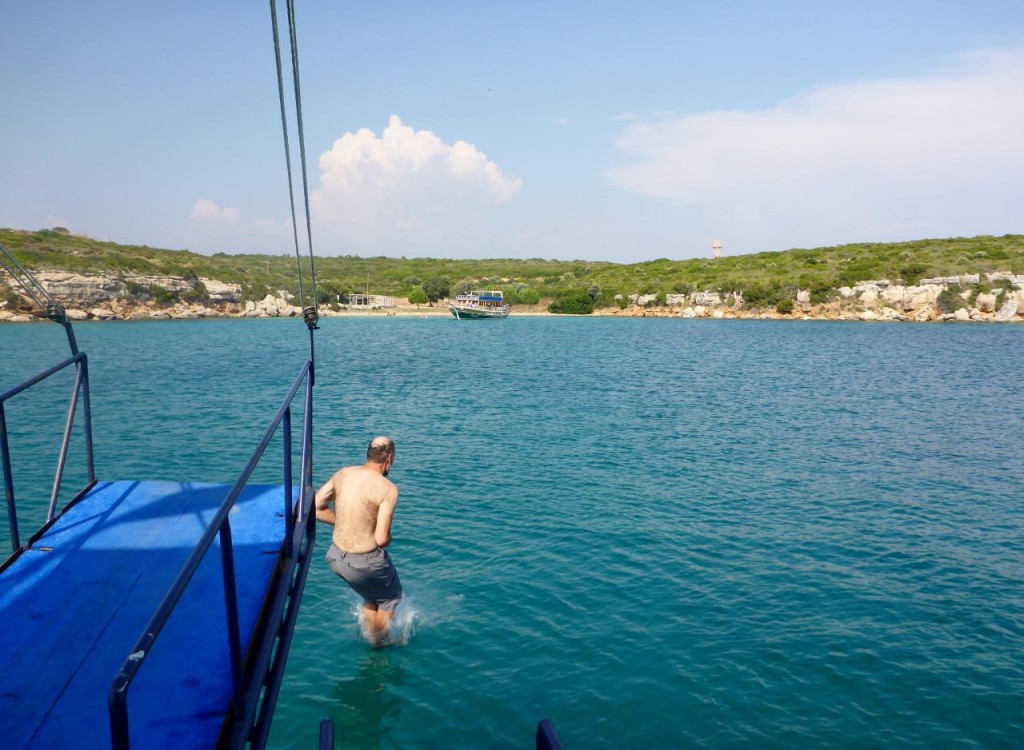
372, 575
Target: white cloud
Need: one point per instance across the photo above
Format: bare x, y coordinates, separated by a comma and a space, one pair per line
560, 121
938, 155
205, 211
404, 192
215, 228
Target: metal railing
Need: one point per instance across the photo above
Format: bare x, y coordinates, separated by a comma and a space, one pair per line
36, 292
263, 667
80, 361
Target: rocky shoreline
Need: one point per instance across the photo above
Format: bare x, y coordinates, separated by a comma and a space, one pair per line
115, 298
867, 301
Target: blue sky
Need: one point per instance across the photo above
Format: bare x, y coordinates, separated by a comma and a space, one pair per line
621, 131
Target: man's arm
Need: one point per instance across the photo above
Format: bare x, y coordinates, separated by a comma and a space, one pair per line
324, 497
386, 511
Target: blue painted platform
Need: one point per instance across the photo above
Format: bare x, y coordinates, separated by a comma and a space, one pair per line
74, 605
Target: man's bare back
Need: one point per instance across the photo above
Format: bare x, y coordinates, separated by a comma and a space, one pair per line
364, 504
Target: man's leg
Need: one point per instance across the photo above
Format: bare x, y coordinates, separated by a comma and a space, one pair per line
377, 622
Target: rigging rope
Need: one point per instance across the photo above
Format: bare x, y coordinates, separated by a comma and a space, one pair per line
310, 313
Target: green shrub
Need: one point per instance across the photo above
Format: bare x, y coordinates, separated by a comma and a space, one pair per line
912, 273
572, 302
762, 295
140, 292
163, 297
8, 295
949, 300
784, 307
529, 297
821, 293
254, 291
197, 295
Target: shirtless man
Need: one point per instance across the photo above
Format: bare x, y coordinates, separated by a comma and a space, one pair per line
364, 503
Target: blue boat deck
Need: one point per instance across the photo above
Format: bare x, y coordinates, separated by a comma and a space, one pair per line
75, 603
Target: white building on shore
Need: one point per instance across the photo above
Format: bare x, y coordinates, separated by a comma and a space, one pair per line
371, 301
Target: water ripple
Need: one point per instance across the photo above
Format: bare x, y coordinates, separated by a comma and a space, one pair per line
657, 533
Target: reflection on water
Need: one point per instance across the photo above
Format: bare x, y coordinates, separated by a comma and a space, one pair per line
366, 706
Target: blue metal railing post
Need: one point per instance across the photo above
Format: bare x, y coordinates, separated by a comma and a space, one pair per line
306, 467
5, 458
87, 417
65, 442
326, 734
289, 522
117, 702
227, 555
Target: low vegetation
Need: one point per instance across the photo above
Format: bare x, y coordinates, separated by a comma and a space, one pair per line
768, 280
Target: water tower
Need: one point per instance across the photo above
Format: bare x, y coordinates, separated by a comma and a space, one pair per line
716, 249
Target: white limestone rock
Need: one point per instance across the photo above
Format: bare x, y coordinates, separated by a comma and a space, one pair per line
924, 295
220, 291
868, 293
76, 290
962, 315
1008, 311
707, 299
986, 303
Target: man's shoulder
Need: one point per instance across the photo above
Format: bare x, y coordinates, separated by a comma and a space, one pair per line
345, 471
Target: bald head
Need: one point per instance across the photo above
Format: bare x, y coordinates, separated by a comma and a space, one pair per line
380, 450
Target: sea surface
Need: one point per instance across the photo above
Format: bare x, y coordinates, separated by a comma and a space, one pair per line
656, 533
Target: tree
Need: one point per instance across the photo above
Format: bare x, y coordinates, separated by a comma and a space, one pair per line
572, 302
465, 286
437, 288
785, 306
417, 296
529, 297
327, 293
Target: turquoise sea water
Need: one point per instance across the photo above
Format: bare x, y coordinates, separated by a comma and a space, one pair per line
657, 533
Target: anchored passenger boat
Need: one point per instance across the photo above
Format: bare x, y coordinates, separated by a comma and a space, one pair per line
485, 304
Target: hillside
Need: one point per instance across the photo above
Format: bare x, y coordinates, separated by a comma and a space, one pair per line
765, 277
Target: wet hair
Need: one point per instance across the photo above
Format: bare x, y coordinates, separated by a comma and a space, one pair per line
381, 448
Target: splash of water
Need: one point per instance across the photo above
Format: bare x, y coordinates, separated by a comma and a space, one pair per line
403, 625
